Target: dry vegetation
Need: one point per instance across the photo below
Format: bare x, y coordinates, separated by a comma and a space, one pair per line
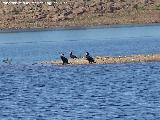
78, 13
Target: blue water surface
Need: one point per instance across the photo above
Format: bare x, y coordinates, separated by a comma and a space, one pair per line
80, 92
26, 47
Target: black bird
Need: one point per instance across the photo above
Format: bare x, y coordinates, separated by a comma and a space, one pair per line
7, 61
64, 59
72, 56
89, 58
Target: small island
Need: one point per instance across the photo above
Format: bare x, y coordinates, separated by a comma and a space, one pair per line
110, 60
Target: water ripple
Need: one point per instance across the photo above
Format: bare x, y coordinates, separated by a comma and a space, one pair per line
100, 92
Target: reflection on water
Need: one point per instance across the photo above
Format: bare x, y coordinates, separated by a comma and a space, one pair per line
99, 92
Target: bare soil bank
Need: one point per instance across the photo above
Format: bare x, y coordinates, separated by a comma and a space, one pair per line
78, 13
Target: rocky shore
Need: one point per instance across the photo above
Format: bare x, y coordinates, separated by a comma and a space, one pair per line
110, 60
77, 13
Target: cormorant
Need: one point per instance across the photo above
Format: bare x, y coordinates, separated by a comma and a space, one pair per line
72, 56
7, 61
89, 58
64, 59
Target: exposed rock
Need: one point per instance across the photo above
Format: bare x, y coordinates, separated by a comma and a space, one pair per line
61, 17
10, 18
79, 11
111, 7
78, 4
101, 7
54, 9
93, 4
41, 16
71, 16
66, 12
117, 6
148, 2
55, 18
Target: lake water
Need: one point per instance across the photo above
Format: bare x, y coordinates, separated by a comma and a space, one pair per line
79, 92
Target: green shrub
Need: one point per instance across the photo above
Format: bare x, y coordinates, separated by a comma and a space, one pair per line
158, 7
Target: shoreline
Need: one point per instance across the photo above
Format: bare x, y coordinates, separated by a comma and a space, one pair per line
76, 27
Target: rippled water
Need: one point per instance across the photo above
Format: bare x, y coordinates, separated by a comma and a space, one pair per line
125, 91
26, 47
100, 92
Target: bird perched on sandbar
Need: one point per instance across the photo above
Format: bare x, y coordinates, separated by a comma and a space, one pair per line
89, 58
64, 59
72, 56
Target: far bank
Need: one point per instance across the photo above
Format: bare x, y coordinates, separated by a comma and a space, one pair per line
77, 14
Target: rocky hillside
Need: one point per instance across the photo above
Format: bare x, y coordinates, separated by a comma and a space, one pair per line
78, 13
